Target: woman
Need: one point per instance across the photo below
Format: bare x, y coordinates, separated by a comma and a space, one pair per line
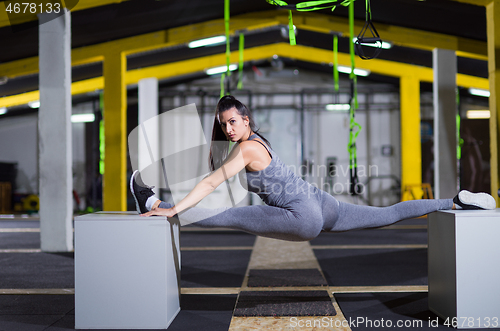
295, 210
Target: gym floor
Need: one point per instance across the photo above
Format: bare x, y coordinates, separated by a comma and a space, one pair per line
230, 280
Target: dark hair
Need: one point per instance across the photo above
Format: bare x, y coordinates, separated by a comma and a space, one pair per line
219, 150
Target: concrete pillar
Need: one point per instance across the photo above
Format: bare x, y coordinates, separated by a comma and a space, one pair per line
493, 27
444, 63
149, 136
411, 149
54, 129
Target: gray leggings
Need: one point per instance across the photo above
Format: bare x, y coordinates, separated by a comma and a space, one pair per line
305, 220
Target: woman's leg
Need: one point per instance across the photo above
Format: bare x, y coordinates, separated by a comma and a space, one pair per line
307, 220
351, 217
287, 224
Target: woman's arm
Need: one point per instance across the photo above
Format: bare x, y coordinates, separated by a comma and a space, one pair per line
234, 164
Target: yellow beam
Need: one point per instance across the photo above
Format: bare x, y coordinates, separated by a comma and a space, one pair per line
21, 67
87, 85
493, 29
86, 4
80, 87
140, 43
19, 99
472, 81
475, 2
28, 17
298, 52
411, 151
29, 66
115, 133
304, 53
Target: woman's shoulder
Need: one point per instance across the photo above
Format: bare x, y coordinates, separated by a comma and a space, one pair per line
256, 155
253, 147
253, 144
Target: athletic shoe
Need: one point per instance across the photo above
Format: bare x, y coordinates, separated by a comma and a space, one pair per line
468, 200
140, 191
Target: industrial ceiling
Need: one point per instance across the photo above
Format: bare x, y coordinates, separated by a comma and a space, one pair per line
439, 22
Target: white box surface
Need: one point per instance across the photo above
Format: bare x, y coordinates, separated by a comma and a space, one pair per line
127, 270
464, 267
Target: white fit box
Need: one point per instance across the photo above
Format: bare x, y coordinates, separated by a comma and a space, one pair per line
464, 267
127, 270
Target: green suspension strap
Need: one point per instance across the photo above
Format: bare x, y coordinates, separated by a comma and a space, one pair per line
459, 138
222, 78
354, 127
101, 134
226, 23
224, 91
240, 66
291, 30
351, 34
336, 62
306, 6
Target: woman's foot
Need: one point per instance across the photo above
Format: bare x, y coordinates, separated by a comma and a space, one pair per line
140, 191
468, 200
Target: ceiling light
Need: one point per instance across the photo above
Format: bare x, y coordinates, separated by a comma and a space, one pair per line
377, 44
212, 41
221, 69
479, 92
338, 107
478, 114
82, 118
34, 104
3, 110
357, 72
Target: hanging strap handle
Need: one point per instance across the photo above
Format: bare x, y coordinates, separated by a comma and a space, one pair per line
372, 39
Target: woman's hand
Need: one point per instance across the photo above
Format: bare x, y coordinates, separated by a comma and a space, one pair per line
170, 212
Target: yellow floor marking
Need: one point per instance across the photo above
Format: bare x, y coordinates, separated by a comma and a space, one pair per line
37, 291
379, 289
278, 254
198, 229
19, 230
405, 227
236, 290
21, 250
290, 323
210, 290
217, 248
366, 246
11, 217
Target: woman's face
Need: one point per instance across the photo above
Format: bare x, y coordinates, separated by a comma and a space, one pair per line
234, 125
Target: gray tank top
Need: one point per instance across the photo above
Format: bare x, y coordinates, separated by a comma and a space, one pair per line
277, 185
